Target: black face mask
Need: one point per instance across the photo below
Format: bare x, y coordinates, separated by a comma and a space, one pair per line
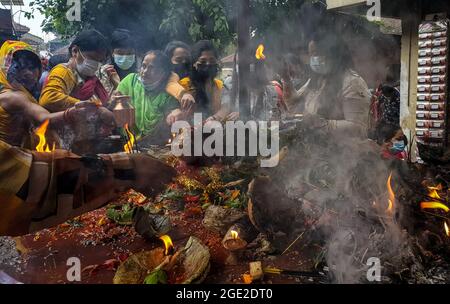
181, 69
205, 71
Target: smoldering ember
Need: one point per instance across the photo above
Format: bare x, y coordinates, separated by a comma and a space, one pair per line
351, 104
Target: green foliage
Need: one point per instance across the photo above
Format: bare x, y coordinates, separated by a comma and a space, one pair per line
122, 215
156, 277
156, 21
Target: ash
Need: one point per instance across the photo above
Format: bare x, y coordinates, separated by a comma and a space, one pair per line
9, 255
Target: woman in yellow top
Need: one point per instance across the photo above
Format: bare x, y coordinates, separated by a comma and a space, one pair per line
75, 81
20, 70
203, 84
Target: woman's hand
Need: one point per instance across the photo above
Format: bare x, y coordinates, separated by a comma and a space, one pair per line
174, 116
187, 101
112, 74
232, 116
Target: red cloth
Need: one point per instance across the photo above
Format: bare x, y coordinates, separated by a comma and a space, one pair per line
279, 89
388, 155
92, 86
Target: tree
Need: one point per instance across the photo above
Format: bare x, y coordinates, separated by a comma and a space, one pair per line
155, 22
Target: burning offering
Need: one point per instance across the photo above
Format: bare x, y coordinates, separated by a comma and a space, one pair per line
188, 265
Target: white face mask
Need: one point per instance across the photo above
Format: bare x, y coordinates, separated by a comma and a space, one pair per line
319, 65
89, 67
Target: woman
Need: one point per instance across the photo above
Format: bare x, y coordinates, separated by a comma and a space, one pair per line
123, 59
202, 82
76, 80
19, 110
394, 142
155, 109
180, 57
336, 95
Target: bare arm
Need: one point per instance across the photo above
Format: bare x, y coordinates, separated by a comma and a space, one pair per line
18, 103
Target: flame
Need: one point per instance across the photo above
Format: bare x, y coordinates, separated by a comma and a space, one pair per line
260, 52
447, 230
433, 191
234, 234
40, 132
128, 148
391, 198
434, 205
167, 243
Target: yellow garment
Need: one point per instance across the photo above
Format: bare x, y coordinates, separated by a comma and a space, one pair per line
174, 88
55, 96
14, 168
221, 112
13, 127
8, 49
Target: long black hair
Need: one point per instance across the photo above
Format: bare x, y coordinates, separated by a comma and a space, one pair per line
198, 83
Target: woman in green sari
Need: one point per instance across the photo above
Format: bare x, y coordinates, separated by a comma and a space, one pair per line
155, 110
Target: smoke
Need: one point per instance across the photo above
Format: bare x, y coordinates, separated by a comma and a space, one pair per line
344, 181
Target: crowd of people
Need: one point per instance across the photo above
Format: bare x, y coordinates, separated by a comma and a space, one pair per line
77, 94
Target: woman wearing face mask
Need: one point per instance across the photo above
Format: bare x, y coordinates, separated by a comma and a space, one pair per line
204, 85
180, 57
20, 70
394, 142
155, 109
123, 60
335, 95
76, 80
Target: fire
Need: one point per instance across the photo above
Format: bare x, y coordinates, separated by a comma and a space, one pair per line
128, 148
434, 205
391, 198
260, 52
234, 234
433, 191
167, 244
40, 132
447, 230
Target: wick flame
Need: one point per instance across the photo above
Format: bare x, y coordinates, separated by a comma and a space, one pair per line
434, 205
391, 198
167, 244
128, 148
260, 52
40, 132
447, 230
234, 234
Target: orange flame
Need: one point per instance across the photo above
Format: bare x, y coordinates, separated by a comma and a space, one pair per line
434, 205
128, 148
234, 234
433, 191
391, 198
167, 244
40, 132
260, 52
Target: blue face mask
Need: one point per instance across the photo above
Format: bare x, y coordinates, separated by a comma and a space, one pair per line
124, 62
398, 146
